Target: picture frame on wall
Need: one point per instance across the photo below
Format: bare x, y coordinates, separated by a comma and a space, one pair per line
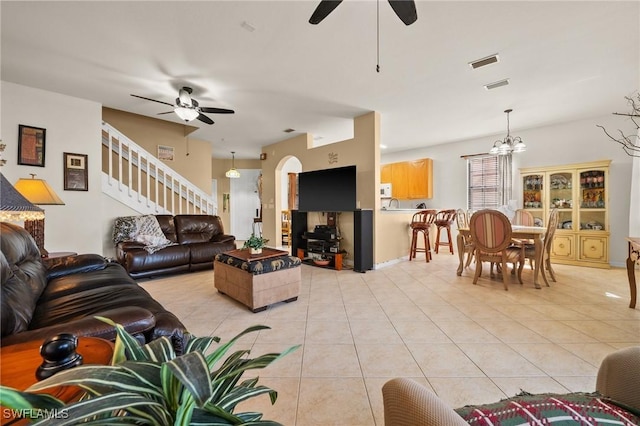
166, 153
76, 176
31, 145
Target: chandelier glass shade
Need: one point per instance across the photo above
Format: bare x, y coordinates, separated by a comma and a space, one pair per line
232, 173
509, 144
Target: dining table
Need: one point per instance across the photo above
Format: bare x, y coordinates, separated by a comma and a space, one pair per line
518, 232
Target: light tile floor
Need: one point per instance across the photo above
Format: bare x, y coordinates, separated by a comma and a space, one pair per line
470, 344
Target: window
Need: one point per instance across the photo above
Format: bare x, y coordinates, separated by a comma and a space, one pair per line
483, 183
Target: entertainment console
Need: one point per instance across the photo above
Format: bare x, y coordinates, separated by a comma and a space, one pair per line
325, 242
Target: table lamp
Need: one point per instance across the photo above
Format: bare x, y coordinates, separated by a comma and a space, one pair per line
14, 207
37, 191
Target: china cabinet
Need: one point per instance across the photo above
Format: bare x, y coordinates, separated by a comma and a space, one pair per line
580, 193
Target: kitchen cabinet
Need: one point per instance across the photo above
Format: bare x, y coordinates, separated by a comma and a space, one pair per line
409, 180
580, 193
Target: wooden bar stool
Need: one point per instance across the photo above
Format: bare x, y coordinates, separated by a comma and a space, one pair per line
421, 222
444, 218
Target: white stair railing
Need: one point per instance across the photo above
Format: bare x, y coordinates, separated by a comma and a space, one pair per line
133, 176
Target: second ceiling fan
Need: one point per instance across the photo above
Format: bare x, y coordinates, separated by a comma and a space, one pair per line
405, 9
188, 108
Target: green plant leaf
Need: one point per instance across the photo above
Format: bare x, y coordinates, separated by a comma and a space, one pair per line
242, 393
113, 402
97, 379
147, 372
216, 355
159, 350
192, 371
200, 343
19, 400
126, 346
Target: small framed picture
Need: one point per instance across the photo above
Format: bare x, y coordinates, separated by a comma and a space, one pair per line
31, 144
76, 177
165, 153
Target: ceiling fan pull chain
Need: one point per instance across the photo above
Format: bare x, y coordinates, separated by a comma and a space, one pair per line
378, 36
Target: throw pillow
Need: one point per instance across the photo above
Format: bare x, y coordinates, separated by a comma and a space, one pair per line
124, 229
585, 409
149, 233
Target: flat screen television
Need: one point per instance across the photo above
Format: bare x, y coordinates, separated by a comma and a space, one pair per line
327, 190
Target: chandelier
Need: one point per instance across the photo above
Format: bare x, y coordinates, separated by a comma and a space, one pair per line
509, 144
232, 173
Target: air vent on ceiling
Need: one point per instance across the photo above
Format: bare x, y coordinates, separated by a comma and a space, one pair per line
484, 61
289, 130
497, 84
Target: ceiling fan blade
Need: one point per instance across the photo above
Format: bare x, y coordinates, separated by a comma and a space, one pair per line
204, 119
152, 100
323, 10
405, 9
211, 110
168, 112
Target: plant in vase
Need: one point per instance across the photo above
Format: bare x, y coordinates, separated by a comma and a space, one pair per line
255, 244
151, 385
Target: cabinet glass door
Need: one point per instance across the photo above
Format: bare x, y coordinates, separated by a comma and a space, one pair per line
533, 196
561, 197
593, 199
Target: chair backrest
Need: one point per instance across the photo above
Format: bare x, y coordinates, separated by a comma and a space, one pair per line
523, 218
462, 221
490, 230
552, 225
423, 218
446, 215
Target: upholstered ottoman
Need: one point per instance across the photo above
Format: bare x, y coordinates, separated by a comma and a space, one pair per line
257, 283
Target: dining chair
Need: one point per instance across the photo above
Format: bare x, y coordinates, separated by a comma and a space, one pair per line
462, 221
529, 251
491, 234
523, 218
421, 223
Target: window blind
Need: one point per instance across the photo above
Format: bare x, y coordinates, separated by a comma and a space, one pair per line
483, 180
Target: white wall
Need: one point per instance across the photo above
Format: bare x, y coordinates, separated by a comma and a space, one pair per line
73, 125
574, 142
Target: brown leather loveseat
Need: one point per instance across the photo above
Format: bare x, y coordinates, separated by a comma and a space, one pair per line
45, 297
192, 241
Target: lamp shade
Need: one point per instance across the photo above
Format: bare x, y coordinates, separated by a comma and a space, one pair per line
14, 206
38, 191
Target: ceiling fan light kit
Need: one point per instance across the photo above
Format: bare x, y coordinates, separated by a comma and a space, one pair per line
187, 114
509, 144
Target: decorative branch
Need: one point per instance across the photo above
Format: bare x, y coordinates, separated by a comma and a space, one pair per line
630, 143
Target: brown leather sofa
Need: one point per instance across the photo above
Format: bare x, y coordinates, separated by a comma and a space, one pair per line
198, 239
45, 297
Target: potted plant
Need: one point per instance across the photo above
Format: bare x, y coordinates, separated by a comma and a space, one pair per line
150, 385
255, 244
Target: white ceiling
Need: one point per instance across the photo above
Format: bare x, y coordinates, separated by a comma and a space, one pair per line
565, 61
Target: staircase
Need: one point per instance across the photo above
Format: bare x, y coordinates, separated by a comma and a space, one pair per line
138, 179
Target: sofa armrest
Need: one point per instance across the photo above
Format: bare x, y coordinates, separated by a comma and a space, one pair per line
619, 377
138, 322
223, 238
407, 402
62, 266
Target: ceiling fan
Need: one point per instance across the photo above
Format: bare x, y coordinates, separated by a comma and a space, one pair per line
405, 9
188, 108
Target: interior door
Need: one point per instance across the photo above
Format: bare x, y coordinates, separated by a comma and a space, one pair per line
244, 203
